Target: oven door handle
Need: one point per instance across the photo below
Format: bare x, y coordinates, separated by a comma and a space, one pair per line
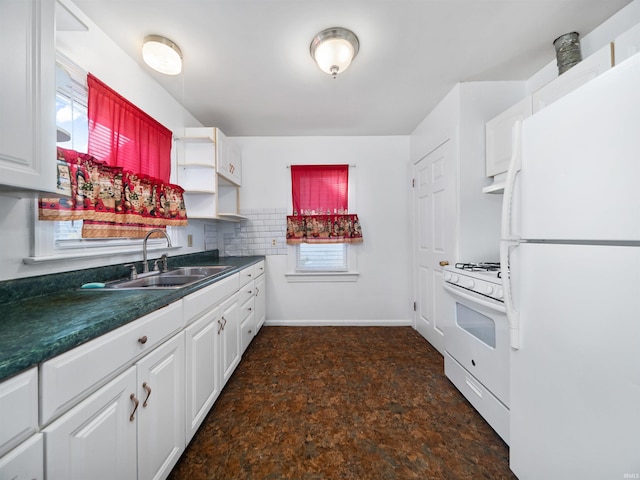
471, 298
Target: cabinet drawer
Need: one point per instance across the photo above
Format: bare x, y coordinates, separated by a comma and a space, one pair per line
70, 377
258, 268
200, 302
18, 409
491, 409
246, 308
247, 332
246, 292
247, 275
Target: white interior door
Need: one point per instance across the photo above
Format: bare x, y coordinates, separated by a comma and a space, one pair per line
434, 210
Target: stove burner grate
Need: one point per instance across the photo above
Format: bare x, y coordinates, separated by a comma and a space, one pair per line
479, 267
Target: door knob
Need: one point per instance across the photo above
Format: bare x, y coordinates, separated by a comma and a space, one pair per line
444, 263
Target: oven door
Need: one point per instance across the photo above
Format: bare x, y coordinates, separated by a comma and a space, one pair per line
477, 336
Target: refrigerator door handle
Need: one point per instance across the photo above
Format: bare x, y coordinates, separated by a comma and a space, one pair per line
509, 240
513, 315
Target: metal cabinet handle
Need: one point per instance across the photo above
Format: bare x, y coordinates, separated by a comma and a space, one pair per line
136, 402
250, 292
444, 263
224, 322
143, 339
249, 308
257, 291
147, 389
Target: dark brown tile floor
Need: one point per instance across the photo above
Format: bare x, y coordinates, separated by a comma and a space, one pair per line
363, 403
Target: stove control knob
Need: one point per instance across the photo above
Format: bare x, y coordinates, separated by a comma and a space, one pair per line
469, 283
488, 289
499, 293
454, 278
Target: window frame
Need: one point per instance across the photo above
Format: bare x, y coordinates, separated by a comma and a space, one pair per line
351, 274
46, 248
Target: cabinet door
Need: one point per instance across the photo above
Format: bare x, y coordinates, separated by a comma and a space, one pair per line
27, 135
203, 381
260, 302
229, 331
627, 44
25, 462
161, 431
247, 323
97, 438
229, 159
588, 69
499, 133
18, 409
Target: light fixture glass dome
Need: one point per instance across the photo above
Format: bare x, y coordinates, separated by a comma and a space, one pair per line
334, 49
162, 55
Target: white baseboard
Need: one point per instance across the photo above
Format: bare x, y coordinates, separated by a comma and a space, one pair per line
340, 323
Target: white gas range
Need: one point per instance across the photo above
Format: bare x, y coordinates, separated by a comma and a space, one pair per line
481, 278
476, 340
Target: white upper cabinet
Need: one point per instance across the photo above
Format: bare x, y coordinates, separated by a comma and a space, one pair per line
499, 142
210, 171
586, 70
197, 172
627, 44
229, 159
27, 97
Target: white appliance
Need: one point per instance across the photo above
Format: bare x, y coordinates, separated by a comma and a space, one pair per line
476, 340
570, 257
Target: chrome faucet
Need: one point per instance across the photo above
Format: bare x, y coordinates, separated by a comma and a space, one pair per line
145, 265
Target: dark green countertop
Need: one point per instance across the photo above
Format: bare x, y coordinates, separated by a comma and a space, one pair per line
48, 315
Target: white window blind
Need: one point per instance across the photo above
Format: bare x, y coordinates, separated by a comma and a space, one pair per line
331, 257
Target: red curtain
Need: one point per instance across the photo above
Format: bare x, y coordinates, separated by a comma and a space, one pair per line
320, 189
122, 135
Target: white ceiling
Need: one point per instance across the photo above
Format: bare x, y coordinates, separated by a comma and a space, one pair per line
247, 67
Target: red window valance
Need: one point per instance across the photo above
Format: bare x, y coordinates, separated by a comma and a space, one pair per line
122, 135
111, 201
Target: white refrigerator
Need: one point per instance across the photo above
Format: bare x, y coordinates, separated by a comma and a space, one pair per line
570, 255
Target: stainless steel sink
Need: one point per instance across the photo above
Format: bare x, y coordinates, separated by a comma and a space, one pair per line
202, 271
177, 278
156, 281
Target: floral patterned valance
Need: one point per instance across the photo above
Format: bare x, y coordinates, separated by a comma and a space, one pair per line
323, 229
112, 202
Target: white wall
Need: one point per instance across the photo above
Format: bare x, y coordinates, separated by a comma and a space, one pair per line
382, 294
94, 52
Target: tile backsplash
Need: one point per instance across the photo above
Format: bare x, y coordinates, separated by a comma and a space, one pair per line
263, 233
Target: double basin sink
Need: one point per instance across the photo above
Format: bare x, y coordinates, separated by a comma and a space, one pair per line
172, 279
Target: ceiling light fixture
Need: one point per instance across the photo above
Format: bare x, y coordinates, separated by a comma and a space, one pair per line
162, 55
333, 49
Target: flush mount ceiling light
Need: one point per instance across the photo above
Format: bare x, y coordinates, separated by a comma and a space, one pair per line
333, 49
162, 55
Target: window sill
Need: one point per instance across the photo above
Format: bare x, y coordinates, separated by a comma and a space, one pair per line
60, 257
322, 277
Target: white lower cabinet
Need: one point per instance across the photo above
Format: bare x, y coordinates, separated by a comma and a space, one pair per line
25, 462
229, 333
203, 376
97, 438
133, 427
260, 303
124, 405
18, 409
161, 432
